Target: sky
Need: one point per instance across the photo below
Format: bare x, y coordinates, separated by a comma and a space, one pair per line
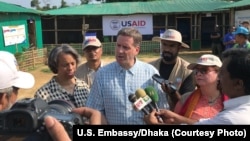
26, 3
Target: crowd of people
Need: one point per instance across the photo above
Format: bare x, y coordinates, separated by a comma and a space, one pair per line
209, 91
236, 37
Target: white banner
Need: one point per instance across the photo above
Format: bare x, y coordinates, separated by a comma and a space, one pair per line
14, 34
112, 24
241, 16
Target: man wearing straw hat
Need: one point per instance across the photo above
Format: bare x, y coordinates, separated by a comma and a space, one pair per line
172, 67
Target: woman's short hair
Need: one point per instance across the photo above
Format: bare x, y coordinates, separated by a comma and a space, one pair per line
55, 52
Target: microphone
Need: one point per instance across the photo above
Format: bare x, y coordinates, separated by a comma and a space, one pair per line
140, 93
139, 104
132, 98
152, 93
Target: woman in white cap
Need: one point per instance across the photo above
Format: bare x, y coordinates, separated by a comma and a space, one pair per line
235, 83
207, 100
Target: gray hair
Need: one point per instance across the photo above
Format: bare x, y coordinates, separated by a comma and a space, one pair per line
131, 32
7, 91
55, 52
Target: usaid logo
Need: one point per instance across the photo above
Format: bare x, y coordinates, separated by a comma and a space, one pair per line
115, 24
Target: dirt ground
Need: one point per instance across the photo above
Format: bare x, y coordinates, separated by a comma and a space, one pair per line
43, 75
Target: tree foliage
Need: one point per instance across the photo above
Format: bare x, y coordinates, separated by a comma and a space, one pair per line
37, 3
84, 2
46, 6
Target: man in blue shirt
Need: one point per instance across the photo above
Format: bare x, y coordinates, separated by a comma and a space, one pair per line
229, 38
114, 82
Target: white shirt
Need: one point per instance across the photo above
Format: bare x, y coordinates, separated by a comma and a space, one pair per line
236, 111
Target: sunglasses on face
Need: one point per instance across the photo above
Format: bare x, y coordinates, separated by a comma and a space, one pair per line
202, 71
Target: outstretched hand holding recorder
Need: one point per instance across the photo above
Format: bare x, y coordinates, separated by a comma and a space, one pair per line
170, 87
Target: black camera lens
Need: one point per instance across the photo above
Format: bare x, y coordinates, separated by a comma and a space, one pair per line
61, 106
26, 117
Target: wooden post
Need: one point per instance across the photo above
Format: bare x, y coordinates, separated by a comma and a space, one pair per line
16, 48
33, 56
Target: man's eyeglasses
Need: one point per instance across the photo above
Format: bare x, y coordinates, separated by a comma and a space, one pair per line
202, 71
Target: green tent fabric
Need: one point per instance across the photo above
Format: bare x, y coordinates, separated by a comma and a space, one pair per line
154, 7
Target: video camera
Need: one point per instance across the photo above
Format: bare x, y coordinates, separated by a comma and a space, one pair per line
26, 117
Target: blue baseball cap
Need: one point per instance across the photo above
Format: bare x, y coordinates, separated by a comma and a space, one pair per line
241, 30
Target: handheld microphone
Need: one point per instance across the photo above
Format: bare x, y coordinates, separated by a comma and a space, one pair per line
132, 98
139, 104
140, 93
152, 93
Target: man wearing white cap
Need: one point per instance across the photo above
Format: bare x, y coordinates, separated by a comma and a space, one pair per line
172, 67
92, 50
11, 80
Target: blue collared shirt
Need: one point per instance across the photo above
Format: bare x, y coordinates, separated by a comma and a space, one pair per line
112, 86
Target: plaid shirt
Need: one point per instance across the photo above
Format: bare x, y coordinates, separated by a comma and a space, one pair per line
112, 86
53, 91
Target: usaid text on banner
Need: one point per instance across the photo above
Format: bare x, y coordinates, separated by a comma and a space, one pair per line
112, 24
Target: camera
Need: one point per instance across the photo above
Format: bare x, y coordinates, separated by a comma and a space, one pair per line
161, 80
26, 117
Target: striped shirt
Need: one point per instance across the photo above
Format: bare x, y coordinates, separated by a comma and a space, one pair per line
112, 86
